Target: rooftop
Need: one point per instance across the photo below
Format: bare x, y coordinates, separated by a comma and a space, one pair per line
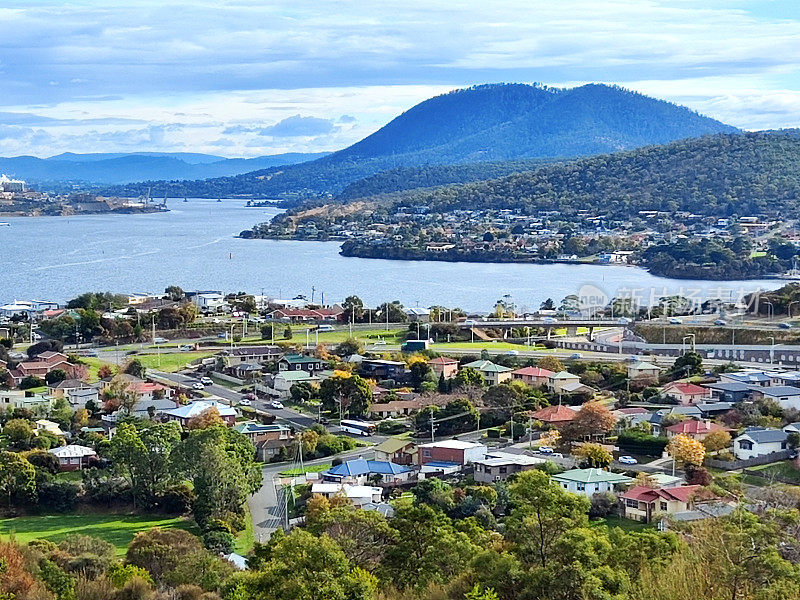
592, 476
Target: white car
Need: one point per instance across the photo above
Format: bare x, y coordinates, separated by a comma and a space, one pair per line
245, 402
545, 450
628, 460
206, 381
511, 353
275, 404
379, 343
325, 328
675, 321
198, 386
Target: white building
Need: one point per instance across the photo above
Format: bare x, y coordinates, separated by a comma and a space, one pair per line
590, 481
759, 441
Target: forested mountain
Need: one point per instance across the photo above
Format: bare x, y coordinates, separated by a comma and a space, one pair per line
721, 175
113, 168
480, 124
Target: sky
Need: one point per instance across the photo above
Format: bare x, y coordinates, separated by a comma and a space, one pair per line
245, 78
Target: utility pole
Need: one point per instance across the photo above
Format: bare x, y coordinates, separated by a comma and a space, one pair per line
432, 439
302, 467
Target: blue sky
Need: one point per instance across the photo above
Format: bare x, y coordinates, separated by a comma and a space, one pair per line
245, 78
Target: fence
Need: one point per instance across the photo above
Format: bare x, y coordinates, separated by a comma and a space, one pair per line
732, 465
228, 378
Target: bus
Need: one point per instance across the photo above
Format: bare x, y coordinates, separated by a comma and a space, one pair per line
357, 427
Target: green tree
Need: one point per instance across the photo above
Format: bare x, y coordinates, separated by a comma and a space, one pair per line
353, 309
136, 368
353, 391
267, 331
688, 364
287, 333
468, 377
55, 376
17, 478
18, 432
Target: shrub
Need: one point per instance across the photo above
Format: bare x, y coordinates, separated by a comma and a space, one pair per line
60, 496
218, 541
640, 442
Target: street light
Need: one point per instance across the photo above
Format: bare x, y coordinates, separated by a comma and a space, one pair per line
683, 341
790, 307
772, 350
771, 311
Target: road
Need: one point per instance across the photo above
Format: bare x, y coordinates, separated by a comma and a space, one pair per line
233, 397
265, 505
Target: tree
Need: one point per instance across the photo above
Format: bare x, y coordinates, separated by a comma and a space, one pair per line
55, 376
717, 440
19, 432
688, 364
105, 372
208, 418
160, 551
349, 346
551, 363
119, 395
287, 333
136, 368
468, 377
17, 478
353, 309
31, 381
174, 293
352, 391
221, 465
544, 513
267, 331
594, 455
685, 449
302, 566
593, 419
302, 392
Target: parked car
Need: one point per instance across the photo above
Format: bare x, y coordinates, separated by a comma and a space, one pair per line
276, 405
160, 340
545, 450
325, 328
198, 386
206, 381
628, 460
245, 402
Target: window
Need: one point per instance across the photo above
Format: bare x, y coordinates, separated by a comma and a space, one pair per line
745, 444
663, 506
631, 503
581, 487
504, 469
426, 453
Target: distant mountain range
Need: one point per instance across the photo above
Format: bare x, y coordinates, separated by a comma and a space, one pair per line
488, 123
120, 168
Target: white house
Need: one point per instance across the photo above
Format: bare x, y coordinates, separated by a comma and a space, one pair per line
359, 495
282, 382
759, 441
557, 381
72, 457
786, 395
590, 481
209, 302
643, 369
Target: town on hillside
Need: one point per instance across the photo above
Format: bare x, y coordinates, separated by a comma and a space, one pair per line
248, 420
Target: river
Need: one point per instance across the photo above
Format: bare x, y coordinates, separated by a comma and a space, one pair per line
193, 246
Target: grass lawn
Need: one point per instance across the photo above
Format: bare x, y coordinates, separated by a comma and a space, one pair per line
246, 538
478, 346
94, 366
782, 469
69, 476
296, 472
171, 362
115, 529
626, 524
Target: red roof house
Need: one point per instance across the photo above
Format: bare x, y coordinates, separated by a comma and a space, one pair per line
641, 502
554, 415
532, 375
697, 430
686, 393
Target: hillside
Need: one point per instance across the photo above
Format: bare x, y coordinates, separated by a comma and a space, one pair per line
113, 168
487, 123
751, 173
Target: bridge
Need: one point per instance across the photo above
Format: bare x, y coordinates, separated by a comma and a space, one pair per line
548, 324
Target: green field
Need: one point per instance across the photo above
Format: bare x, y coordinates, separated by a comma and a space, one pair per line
296, 472
170, 362
622, 523
115, 529
785, 470
482, 345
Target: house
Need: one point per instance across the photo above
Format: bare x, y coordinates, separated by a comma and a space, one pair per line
298, 362
786, 395
685, 412
748, 377
359, 495
284, 380
11, 399
705, 510
572, 388
252, 354
398, 451
493, 374
359, 471
534, 376
713, 409
643, 503
259, 431
590, 481
451, 451
759, 441
383, 369
73, 457
208, 302
643, 370
443, 366
41, 365
557, 381
555, 416
499, 466
246, 371
729, 391
43, 425
269, 448
686, 393
394, 408
183, 414
335, 314
792, 428
418, 315
62, 388
664, 480
695, 429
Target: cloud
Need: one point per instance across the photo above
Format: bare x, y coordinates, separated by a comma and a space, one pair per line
298, 126
347, 119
